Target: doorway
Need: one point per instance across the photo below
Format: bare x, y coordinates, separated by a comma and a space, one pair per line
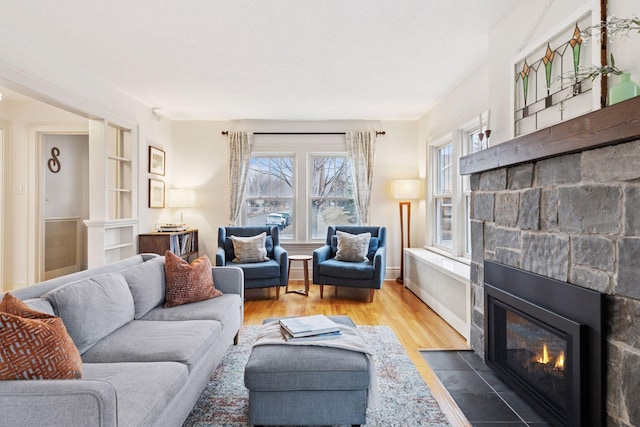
65, 201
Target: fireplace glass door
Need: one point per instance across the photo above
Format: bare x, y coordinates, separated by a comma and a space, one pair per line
538, 356
538, 352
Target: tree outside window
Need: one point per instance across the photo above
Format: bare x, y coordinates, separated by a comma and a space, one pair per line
331, 195
269, 193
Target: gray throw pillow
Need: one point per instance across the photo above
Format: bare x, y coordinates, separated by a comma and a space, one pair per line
352, 247
147, 285
250, 249
93, 308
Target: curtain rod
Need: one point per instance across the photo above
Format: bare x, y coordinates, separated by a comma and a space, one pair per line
378, 133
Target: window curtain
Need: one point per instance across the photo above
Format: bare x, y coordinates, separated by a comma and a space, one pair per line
239, 156
361, 150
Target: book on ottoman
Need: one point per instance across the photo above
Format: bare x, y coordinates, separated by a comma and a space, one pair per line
326, 336
305, 326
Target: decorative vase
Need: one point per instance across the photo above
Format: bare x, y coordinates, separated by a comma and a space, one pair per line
623, 90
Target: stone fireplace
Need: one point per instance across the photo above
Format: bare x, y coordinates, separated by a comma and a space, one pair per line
564, 203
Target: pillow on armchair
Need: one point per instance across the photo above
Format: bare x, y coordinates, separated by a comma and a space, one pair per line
250, 249
352, 247
374, 244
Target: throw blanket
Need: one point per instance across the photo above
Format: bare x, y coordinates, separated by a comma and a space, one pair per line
351, 340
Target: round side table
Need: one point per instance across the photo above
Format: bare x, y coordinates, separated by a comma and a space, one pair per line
305, 259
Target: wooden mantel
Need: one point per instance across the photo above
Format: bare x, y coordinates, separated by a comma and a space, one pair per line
607, 126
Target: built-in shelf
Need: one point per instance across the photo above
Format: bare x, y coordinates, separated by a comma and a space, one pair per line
120, 159
608, 126
114, 247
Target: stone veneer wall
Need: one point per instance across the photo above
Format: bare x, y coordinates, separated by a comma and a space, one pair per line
575, 218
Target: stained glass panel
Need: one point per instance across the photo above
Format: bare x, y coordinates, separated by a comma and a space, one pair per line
545, 79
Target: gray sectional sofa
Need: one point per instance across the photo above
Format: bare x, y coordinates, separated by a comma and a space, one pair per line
143, 365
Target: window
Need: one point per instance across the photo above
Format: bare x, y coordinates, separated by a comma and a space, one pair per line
297, 189
331, 199
442, 196
450, 217
269, 193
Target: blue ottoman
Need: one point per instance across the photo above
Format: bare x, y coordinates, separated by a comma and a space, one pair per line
307, 385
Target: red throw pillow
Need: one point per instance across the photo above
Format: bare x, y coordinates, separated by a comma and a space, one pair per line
186, 282
35, 345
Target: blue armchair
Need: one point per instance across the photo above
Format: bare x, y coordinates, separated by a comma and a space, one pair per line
366, 274
265, 274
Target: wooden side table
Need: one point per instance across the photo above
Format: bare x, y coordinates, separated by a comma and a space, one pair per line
305, 259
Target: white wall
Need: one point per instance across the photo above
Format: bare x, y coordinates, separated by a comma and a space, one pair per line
24, 117
66, 191
508, 36
196, 152
488, 87
200, 159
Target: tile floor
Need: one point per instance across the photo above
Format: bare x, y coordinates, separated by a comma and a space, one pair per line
479, 393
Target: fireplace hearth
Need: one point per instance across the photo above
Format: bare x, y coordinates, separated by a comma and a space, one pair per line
544, 339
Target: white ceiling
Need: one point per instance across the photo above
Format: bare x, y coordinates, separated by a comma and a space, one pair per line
259, 59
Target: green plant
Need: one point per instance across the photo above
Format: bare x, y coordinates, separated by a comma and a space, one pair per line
614, 27
602, 71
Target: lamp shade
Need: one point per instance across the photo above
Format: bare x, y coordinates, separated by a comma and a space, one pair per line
405, 189
180, 198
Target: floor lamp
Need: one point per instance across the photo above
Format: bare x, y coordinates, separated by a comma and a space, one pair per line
405, 190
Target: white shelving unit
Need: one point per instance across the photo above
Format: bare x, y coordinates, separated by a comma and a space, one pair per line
113, 224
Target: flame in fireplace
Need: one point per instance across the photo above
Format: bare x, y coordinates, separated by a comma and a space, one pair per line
545, 355
545, 359
560, 361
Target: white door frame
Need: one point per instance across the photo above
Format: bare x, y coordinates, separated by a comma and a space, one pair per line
5, 194
35, 202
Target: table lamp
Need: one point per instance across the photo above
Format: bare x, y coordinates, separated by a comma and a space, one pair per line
181, 198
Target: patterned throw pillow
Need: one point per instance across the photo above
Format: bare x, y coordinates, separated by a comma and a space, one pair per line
186, 282
352, 247
35, 345
250, 249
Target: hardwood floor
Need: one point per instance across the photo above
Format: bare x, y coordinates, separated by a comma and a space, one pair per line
414, 323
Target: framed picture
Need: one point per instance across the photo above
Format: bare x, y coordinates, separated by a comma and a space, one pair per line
156, 160
156, 193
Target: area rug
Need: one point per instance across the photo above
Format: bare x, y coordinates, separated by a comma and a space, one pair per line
405, 399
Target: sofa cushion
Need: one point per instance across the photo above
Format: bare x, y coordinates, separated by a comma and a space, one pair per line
264, 270
146, 283
157, 341
34, 345
40, 304
346, 270
352, 247
144, 389
93, 308
186, 282
219, 309
250, 249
